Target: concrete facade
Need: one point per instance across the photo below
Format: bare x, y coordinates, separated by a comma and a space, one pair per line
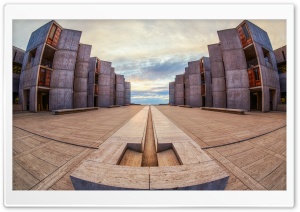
280, 55
179, 89
127, 93
171, 93
17, 59
217, 76
240, 73
120, 89
58, 73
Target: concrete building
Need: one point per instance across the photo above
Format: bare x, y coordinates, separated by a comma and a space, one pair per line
17, 59
127, 93
193, 88
179, 90
240, 73
58, 72
280, 55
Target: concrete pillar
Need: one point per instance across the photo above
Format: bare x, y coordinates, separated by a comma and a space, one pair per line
237, 81
208, 87
171, 93
218, 86
112, 86
179, 89
61, 93
187, 87
81, 76
127, 93
104, 84
195, 90
120, 89
195, 83
265, 99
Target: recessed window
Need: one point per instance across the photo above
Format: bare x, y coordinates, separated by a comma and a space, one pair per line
246, 32
283, 55
31, 57
52, 31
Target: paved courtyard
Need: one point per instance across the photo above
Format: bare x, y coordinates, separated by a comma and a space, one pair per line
251, 148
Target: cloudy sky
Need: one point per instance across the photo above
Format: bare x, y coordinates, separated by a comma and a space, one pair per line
149, 52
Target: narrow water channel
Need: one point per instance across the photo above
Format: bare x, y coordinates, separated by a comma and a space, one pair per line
149, 154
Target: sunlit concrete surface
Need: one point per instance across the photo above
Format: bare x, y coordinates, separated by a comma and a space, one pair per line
251, 148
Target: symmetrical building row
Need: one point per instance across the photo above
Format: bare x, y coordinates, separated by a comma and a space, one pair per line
58, 73
240, 73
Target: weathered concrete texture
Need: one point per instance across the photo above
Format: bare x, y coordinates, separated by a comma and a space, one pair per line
81, 76
179, 90
280, 54
120, 89
39, 36
282, 81
112, 86
172, 93
187, 87
69, 40
194, 67
208, 83
61, 94
104, 84
195, 90
91, 81
18, 55
259, 35
127, 93
269, 61
237, 81
217, 76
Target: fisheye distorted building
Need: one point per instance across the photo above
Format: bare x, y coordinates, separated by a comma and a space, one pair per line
240, 73
58, 72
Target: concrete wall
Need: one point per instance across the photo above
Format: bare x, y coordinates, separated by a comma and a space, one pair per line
120, 89
39, 36
179, 89
61, 93
113, 86
91, 82
237, 81
279, 56
259, 35
195, 83
186, 87
18, 55
127, 93
269, 77
104, 84
81, 76
172, 93
208, 87
218, 85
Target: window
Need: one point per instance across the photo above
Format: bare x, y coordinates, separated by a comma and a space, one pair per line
246, 32
267, 56
52, 31
256, 74
31, 57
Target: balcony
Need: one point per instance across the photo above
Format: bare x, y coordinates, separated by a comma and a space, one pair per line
46, 63
252, 63
44, 77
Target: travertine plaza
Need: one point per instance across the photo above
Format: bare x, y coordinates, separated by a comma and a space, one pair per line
234, 146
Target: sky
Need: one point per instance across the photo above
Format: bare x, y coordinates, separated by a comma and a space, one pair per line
149, 53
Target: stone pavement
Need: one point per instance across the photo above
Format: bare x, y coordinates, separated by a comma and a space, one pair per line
258, 163
47, 148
